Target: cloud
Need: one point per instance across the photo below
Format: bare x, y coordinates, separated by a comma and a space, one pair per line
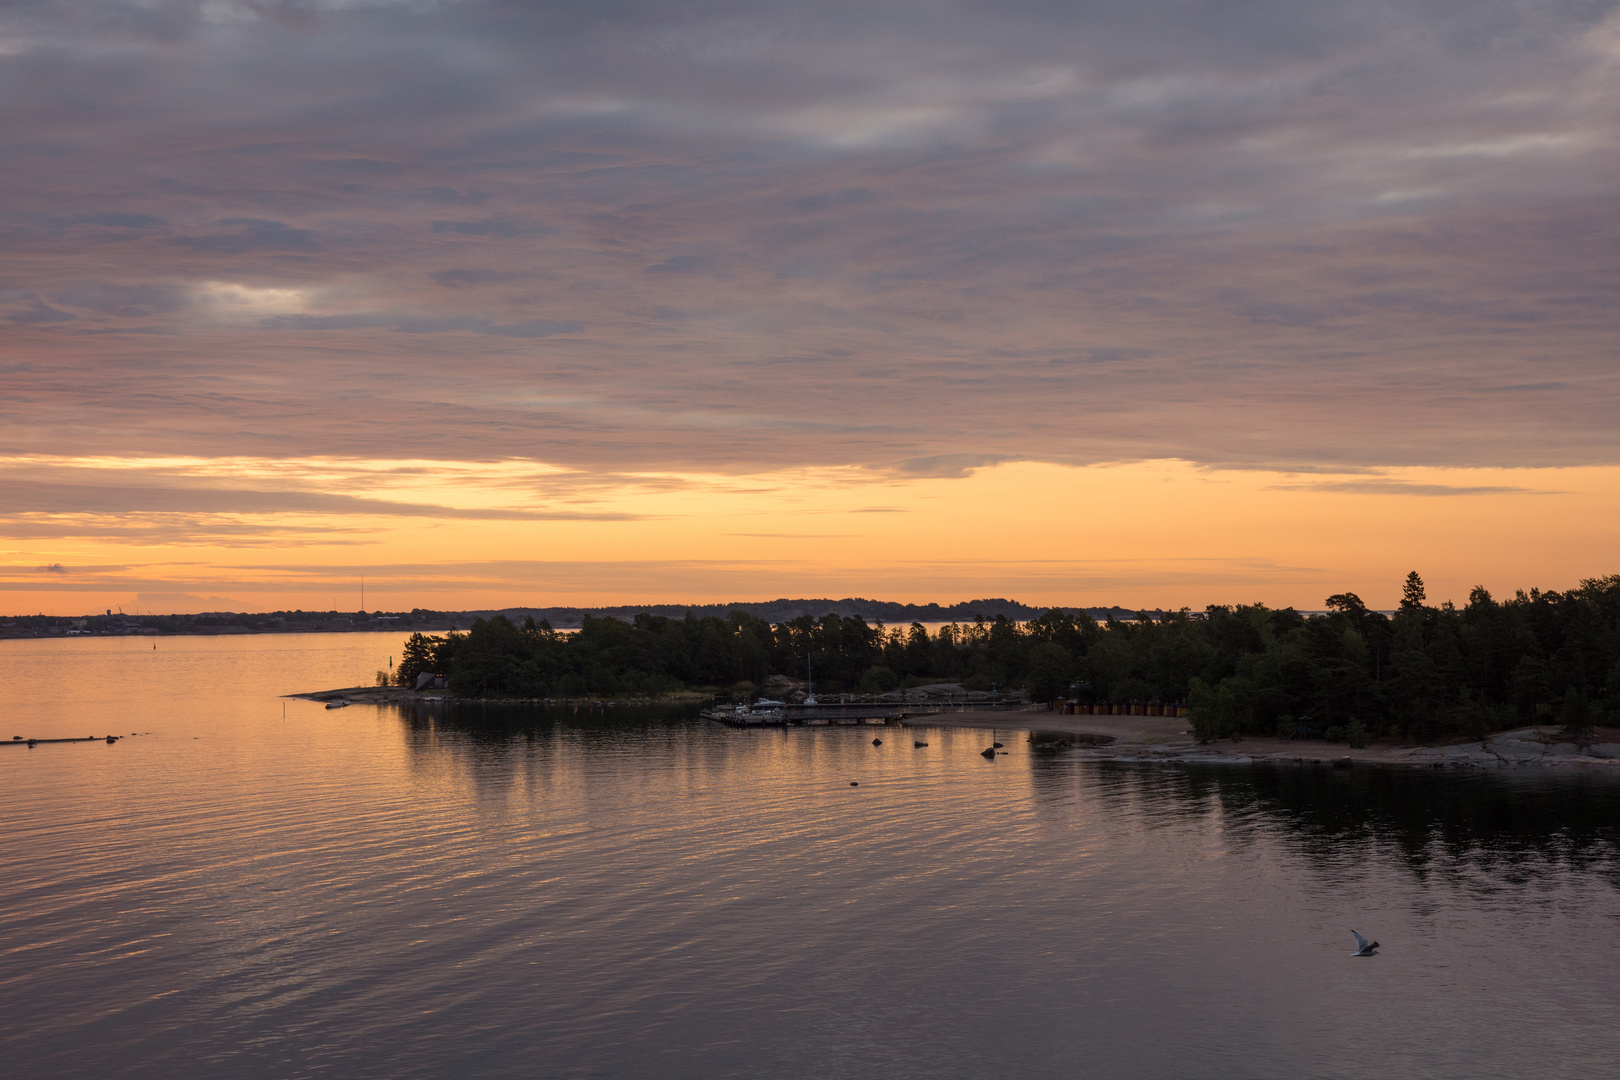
419, 324
833, 200
250, 235
948, 465
1102, 355
125, 301
53, 568
1341, 236
492, 227
456, 279
685, 264
40, 313
1403, 487
111, 219
23, 499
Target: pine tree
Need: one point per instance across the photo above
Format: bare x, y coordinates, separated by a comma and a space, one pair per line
1412, 594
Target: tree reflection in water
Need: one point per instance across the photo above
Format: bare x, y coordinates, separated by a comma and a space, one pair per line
1513, 822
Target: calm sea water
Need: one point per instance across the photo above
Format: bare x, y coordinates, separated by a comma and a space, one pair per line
260, 888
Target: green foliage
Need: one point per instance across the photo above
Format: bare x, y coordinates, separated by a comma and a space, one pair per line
1213, 710
1050, 669
1422, 673
1576, 713
417, 658
879, 680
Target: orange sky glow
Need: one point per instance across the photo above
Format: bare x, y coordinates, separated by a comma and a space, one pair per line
1157, 533
503, 304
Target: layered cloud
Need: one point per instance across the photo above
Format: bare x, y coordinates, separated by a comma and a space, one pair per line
743, 237
626, 298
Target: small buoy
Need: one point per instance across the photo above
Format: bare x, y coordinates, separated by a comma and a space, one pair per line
918, 745
989, 753
877, 742
853, 783
111, 739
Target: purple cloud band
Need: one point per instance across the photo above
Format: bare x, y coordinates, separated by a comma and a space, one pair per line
742, 236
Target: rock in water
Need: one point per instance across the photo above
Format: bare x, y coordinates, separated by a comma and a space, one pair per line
989, 753
877, 742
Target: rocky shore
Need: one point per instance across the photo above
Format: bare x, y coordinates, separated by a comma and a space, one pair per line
1153, 738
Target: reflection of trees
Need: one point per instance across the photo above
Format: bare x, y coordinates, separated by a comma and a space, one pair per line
1515, 824
496, 744
1490, 819
1512, 823
498, 722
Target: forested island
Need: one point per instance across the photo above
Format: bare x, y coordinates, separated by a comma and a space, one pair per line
1420, 673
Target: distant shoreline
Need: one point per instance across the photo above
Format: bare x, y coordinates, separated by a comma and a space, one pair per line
226, 631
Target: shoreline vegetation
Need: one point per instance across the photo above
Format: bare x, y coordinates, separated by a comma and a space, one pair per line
1422, 675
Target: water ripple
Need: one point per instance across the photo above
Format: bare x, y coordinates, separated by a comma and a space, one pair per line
253, 891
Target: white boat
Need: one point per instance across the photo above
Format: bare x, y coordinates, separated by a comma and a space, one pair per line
746, 715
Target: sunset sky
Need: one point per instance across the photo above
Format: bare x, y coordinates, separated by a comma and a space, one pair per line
1148, 303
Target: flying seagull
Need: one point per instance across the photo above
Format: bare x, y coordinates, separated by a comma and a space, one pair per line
1364, 947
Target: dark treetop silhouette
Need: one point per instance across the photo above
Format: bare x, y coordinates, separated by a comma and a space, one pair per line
1422, 673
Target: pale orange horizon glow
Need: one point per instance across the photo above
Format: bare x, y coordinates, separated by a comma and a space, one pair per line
516, 308
1162, 533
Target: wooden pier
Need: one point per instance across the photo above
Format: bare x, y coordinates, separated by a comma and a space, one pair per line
828, 714
846, 714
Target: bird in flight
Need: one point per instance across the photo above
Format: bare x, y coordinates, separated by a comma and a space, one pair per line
1364, 947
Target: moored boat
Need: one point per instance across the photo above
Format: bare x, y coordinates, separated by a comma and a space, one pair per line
745, 715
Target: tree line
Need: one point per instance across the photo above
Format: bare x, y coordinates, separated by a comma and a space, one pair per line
1423, 672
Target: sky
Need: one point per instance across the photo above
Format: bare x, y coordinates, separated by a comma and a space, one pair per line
496, 304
